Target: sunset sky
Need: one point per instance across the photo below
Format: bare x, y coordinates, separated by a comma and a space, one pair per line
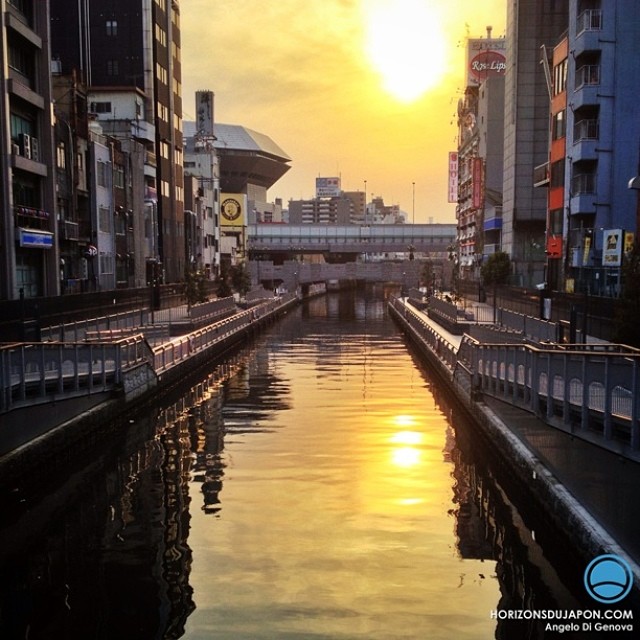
362, 89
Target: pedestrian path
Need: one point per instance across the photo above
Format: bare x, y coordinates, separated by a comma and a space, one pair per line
604, 483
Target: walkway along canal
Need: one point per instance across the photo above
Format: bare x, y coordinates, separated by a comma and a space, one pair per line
586, 482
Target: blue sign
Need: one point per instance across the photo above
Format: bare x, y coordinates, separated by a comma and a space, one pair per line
608, 579
35, 239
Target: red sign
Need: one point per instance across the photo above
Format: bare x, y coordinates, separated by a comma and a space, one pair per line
554, 246
485, 64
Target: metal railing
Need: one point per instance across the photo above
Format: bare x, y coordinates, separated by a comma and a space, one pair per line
37, 372
591, 388
32, 373
178, 349
444, 350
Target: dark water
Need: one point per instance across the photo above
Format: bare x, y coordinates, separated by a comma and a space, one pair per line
318, 484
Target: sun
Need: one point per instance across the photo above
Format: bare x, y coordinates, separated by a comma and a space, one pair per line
405, 45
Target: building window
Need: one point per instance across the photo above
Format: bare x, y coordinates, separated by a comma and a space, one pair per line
103, 174
100, 107
112, 27
61, 156
104, 223
560, 77
161, 73
557, 174
161, 35
164, 188
559, 125
112, 68
555, 222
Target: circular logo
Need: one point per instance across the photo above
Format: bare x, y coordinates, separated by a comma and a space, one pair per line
487, 63
608, 579
231, 209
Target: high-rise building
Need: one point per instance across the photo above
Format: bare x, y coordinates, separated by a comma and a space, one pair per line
530, 25
29, 258
128, 55
594, 149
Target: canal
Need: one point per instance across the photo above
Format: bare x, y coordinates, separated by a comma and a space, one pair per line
318, 484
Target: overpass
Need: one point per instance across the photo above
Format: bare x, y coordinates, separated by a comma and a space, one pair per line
293, 274
274, 238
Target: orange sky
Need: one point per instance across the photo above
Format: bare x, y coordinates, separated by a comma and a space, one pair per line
363, 89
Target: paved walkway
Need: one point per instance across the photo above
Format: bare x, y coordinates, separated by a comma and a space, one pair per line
604, 483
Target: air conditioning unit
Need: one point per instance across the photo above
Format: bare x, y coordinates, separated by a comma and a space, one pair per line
35, 150
24, 140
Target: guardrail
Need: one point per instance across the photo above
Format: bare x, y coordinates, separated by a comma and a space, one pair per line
75, 331
594, 388
440, 346
591, 390
31, 373
170, 353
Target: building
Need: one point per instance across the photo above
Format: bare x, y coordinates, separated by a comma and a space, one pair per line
128, 55
530, 25
480, 154
594, 148
29, 257
333, 210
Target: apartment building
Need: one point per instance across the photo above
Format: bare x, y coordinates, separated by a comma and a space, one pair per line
128, 56
29, 257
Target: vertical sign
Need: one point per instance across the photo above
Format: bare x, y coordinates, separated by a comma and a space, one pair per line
477, 193
453, 176
204, 113
612, 247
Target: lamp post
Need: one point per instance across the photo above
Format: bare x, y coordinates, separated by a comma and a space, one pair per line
365, 200
413, 185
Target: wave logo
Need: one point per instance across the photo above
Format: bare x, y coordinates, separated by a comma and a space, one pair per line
608, 579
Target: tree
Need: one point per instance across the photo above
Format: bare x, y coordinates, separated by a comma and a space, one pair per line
240, 279
496, 269
195, 289
628, 307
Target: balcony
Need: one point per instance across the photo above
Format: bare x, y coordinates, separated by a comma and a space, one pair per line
588, 75
541, 175
70, 230
587, 129
589, 20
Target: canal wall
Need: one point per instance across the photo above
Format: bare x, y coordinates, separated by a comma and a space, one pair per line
58, 431
589, 538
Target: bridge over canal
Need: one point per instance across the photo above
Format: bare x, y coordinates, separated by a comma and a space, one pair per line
329, 239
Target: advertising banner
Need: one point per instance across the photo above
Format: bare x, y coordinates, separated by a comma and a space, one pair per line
485, 57
453, 177
612, 247
327, 187
233, 207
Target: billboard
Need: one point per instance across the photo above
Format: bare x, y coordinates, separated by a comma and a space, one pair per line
485, 57
204, 113
233, 209
453, 177
328, 187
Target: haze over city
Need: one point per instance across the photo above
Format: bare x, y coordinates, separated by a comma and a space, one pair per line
362, 89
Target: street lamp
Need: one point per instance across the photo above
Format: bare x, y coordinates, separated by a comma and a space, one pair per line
413, 184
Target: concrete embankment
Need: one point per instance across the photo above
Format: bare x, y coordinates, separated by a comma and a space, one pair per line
568, 515
43, 439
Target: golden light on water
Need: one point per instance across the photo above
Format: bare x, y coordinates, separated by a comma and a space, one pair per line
405, 46
406, 455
